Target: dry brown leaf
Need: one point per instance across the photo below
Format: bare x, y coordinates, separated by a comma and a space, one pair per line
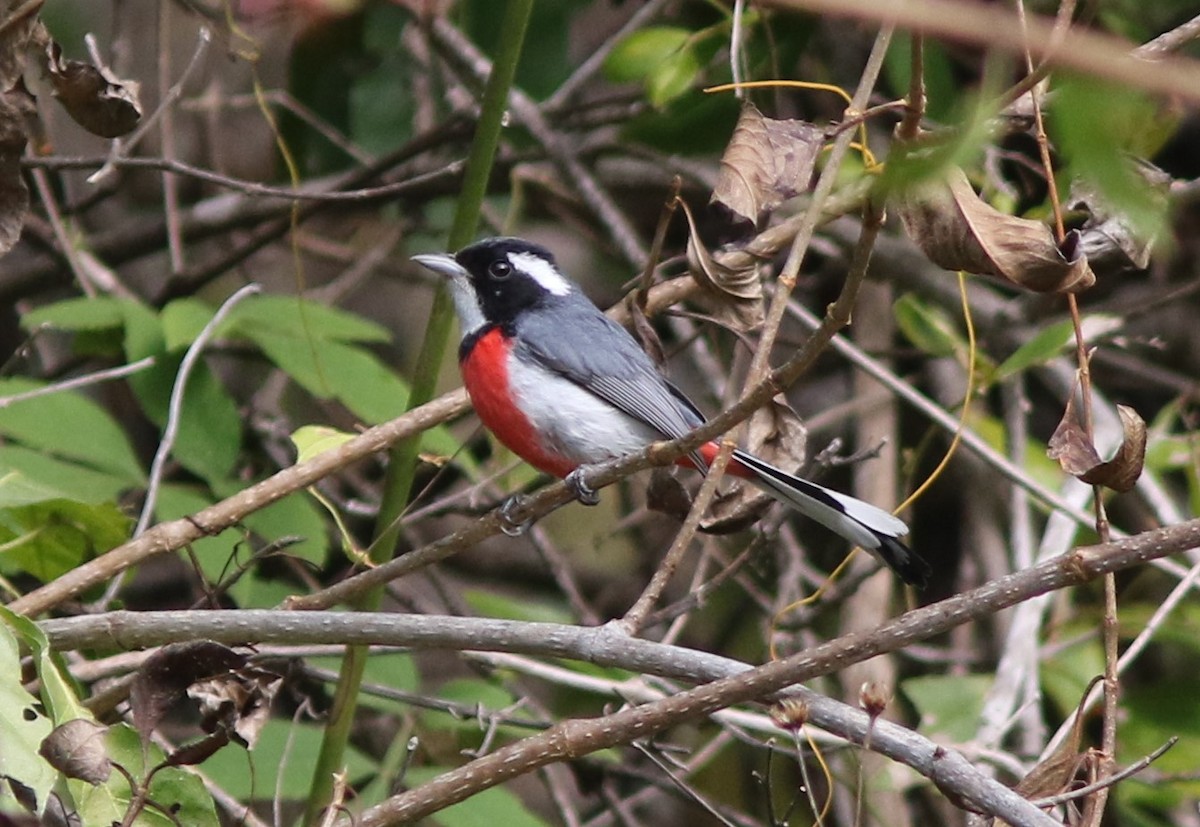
1075, 453
646, 335
16, 106
732, 295
1054, 774
238, 703
93, 96
666, 494
77, 749
1122, 471
164, 678
766, 162
1109, 240
775, 434
19, 33
958, 230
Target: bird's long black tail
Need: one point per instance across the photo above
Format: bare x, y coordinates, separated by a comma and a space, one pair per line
861, 523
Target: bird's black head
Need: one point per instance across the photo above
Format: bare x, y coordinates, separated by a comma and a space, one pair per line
497, 279
511, 275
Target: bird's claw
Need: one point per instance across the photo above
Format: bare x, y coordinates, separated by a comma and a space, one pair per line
509, 523
582, 491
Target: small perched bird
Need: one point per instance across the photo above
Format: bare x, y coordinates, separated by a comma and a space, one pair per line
564, 386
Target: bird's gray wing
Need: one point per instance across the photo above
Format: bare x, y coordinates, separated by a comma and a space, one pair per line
605, 360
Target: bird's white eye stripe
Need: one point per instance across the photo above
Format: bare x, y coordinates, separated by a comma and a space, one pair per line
541, 271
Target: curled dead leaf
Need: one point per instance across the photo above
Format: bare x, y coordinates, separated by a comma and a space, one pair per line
766, 162
1109, 239
732, 292
93, 96
163, 680
77, 749
238, 702
958, 230
22, 29
1070, 447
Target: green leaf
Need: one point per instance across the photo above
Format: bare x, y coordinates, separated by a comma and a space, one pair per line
496, 604
23, 726
674, 76
497, 805
214, 554
183, 320
1037, 351
283, 748
1096, 125
99, 313
210, 430
352, 375
928, 327
643, 52
68, 425
1051, 341
48, 539
176, 789
311, 440
30, 476
949, 704
301, 318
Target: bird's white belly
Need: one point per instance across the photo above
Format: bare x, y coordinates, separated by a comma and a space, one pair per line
574, 422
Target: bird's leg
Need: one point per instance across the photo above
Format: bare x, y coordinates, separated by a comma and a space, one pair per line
582, 491
509, 523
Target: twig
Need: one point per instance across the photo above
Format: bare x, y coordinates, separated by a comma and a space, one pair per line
732, 682
94, 378
991, 26
592, 64
463, 53
1170, 41
119, 147
175, 407
942, 419
682, 785
1108, 782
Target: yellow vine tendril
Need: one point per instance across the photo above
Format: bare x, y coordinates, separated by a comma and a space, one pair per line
861, 144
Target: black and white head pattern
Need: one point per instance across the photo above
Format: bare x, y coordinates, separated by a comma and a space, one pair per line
511, 275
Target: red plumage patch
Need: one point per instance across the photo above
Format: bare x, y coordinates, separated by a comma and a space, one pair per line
485, 375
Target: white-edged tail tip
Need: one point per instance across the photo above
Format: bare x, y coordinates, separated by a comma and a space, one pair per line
861, 523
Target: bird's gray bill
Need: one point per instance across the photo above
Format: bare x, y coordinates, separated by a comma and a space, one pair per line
441, 263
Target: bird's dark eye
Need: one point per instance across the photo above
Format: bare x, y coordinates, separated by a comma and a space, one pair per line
500, 270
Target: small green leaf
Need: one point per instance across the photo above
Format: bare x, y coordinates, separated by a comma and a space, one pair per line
210, 429
949, 705
183, 320
927, 327
100, 313
311, 440
67, 424
674, 76
31, 476
497, 805
1096, 125
289, 316
283, 749
1051, 341
350, 374
641, 54
48, 539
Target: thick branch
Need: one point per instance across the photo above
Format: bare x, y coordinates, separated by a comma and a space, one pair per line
732, 682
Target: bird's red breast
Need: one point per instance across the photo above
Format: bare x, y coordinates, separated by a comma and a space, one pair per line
485, 374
